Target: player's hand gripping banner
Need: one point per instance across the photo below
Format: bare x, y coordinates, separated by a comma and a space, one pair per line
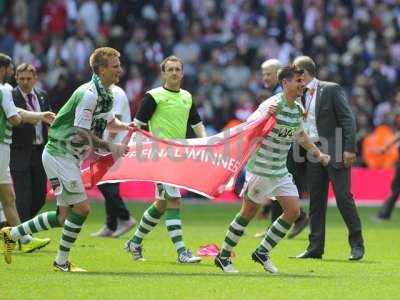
202, 165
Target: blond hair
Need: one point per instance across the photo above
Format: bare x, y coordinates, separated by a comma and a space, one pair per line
170, 58
99, 57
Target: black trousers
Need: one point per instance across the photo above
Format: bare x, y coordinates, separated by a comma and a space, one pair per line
30, 186
318, 182
387, 208
115, 206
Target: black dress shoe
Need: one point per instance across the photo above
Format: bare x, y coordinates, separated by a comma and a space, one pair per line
357, 253
308, 254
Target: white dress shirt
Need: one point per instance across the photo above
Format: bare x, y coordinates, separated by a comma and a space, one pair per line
39, 125
310, 124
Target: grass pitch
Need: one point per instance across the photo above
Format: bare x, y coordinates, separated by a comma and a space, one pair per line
113, 275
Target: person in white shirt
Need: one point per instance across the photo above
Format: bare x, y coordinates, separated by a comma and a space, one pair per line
118, 219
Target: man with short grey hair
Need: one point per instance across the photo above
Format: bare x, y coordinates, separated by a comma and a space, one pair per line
330, 123
269, 70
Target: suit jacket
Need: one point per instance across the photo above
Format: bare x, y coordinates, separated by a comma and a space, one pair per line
24, 134
335, 122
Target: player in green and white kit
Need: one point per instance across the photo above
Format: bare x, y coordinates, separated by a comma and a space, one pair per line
12, 116
167, 111
267, 173
78, 125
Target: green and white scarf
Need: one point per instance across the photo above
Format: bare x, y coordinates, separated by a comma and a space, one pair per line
104, 105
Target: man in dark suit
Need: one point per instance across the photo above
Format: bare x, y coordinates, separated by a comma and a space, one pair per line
329, 121
28, 142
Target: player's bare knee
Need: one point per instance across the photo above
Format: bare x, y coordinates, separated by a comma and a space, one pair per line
83, 210
161, 205
249, 209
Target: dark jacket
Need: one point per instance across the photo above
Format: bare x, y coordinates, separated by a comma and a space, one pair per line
24, 135
335, 122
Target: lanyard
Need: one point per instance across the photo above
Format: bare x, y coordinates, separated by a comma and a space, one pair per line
309, 98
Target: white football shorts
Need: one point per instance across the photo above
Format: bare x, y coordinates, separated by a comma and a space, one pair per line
65, 178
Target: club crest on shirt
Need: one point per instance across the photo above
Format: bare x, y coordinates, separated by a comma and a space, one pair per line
73, 184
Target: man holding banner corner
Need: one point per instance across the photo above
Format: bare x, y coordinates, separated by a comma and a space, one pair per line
166, 112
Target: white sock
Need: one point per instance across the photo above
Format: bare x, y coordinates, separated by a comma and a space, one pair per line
62, 257
25, 239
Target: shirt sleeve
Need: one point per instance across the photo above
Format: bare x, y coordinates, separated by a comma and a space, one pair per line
8, 104
118, 104
84, 111
146, 110
194, 117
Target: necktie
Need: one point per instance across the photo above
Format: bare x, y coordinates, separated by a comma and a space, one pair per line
30, 101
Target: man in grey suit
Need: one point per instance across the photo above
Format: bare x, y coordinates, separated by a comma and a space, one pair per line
329, 121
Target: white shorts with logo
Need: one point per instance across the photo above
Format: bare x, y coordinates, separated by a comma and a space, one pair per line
259, 188
5, 177
165, 192
65, 178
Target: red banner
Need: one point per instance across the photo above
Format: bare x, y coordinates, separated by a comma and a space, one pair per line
203, 165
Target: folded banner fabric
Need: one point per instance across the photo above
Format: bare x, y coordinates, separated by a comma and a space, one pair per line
203, 165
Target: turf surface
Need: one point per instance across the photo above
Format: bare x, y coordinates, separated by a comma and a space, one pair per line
113, 275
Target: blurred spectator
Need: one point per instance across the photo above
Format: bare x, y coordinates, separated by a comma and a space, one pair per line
372, 145
61, 92
90, 15
54, 16
7, 41
76, 51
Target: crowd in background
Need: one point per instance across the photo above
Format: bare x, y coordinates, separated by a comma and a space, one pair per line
355, 43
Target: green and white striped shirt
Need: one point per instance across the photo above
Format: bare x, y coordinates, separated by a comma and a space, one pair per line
81, 110
270, 159
7, 110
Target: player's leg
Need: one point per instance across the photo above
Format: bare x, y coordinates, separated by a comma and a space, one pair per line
278, 229
7, 198
72, 217
173, 223
65, 176
151, 217
287, 196
251, 200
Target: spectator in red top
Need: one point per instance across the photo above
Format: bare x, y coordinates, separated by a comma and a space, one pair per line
54, 16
